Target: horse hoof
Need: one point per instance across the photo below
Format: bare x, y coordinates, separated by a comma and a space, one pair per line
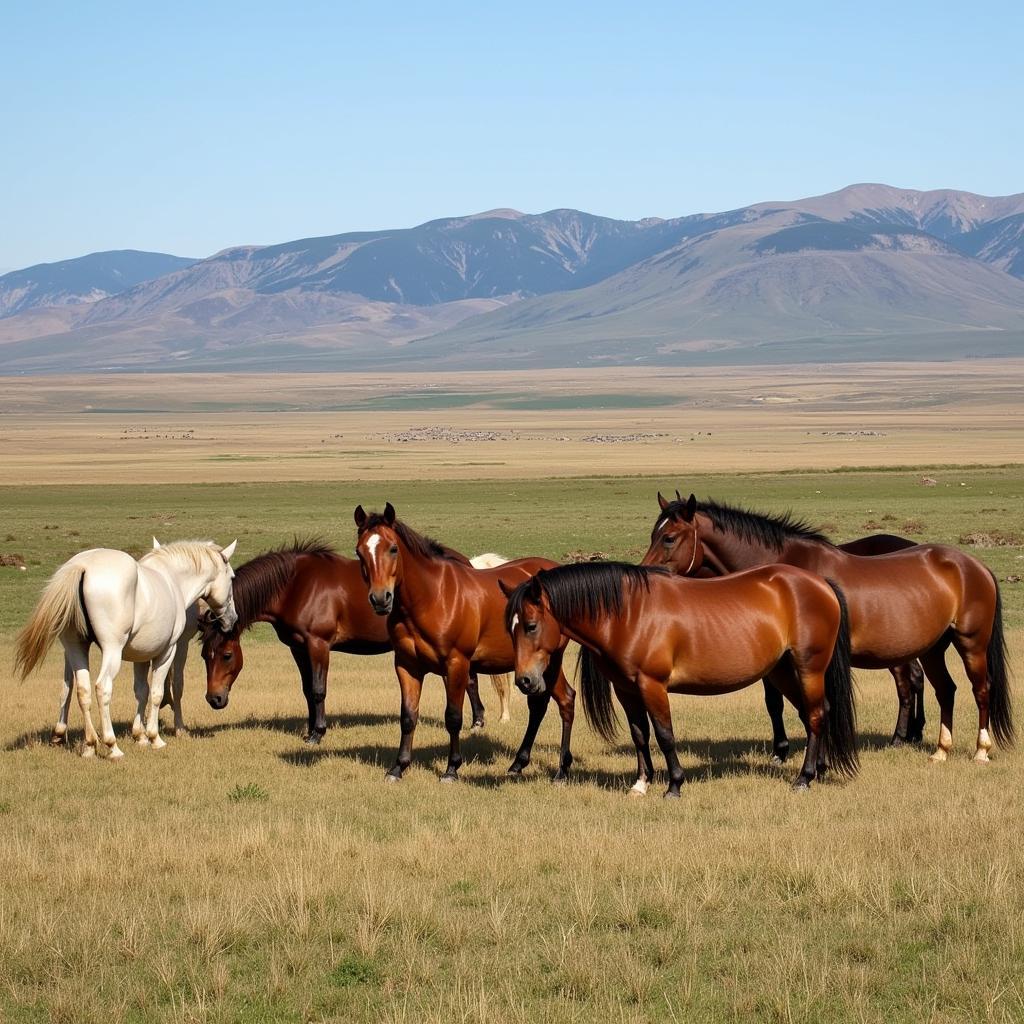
157, 743
779, 758
637, 794
479, 724
312, 740
448, 777
180, 733
88, 751
115, 754
560, 779
515, 769
981, 757
897, 741
672, 794
391, 777
58, 739
938, 757
142, 741
801, 785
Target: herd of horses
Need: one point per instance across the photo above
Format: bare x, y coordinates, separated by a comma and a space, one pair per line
724, 597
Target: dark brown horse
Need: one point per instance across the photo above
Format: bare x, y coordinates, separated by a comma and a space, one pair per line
647, 633
908, 604
446, 617
316, 602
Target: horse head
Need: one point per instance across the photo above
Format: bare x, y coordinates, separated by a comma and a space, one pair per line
535, 632
675, 539
379, 553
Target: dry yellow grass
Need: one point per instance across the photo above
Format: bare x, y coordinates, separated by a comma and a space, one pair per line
332, 426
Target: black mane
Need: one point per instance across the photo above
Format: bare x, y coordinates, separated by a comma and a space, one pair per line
771, 530
418, 543
584, 590
258, 581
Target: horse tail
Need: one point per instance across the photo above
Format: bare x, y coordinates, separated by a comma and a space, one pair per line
1000, 708
59, 610
502, 683
841, 724
597, 696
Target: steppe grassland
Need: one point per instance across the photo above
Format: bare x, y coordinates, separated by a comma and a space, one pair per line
236, 875
191, 428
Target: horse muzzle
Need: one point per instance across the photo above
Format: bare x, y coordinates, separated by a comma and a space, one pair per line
382, 601
531, 685
217, 701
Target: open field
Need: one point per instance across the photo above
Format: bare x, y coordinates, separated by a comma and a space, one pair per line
237, 875
197, 427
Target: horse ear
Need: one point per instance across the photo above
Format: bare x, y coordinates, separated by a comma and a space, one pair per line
679, 497
156, 544
505, 588
691, 508
389, 514
663, 504
359, 516
227, 552
533, 590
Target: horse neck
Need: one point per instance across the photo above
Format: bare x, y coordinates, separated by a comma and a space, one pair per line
260, 604
418, 582
733, 551
191, 584
584, 631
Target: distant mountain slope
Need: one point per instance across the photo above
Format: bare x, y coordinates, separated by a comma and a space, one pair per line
85, 279
870, 271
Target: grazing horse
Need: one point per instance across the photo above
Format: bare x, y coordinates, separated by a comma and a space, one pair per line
647, 633
904, 605
132, 610
446, 617
316, 602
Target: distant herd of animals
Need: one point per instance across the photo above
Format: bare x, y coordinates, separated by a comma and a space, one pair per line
724, 597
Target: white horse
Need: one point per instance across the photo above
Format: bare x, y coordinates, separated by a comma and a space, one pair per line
490, 560
132, 610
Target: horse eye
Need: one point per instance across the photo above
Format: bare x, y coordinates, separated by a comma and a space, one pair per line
226, 656
394, 549
529, 627
668, 541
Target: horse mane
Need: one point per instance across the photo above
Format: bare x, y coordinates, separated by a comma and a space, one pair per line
419, 544
771, 530
197, 554
258, 581
584, 590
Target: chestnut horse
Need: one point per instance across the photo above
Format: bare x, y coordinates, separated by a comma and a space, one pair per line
316, 602
647, 633
908, 604
446, 617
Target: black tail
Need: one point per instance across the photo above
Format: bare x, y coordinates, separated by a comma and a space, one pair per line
1000, 708
841, 726
596, 688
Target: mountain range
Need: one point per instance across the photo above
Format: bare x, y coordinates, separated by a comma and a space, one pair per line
869, 272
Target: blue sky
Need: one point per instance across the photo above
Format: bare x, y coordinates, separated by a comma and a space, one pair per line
203, 125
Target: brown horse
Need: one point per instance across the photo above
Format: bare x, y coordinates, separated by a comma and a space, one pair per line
908, 604
446, 617
316, 602
647, 633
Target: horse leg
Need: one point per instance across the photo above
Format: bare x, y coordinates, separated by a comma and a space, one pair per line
178, 686
500, 683
77, 654
915, 731
565, 697
934, 664
903, 677
161, 668
655, 700
300, 655
140, 672
456, 680
537, 706
411, 686
804, 686
974, 653
780, 741
640, 730
60, 730
110, 665
320, 664
475, 703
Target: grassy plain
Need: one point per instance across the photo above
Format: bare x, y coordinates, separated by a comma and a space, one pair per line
207, 427
238, 876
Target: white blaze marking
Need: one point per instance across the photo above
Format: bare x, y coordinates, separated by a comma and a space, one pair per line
371, 547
